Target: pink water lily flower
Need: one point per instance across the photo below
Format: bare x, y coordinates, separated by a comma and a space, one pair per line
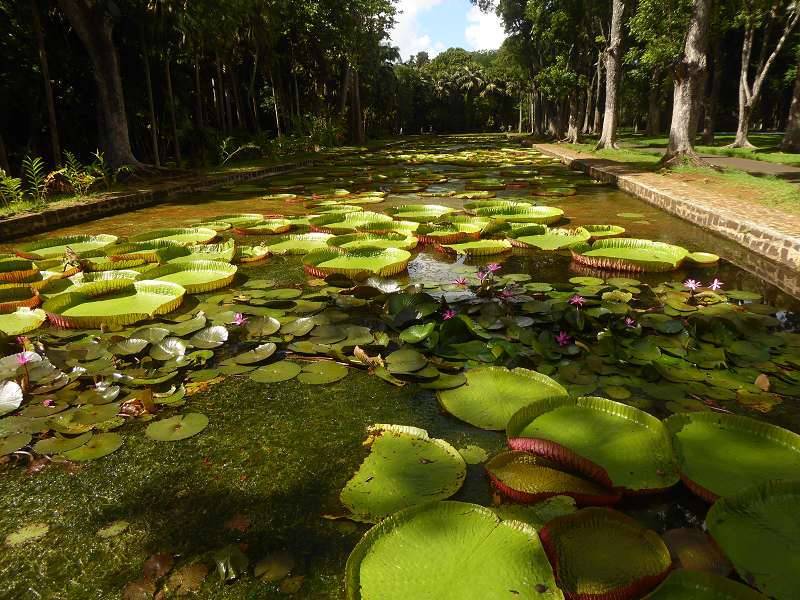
692, 284
22, 359
577, 300
460, 281
716, 284
493, 267
563, 338
482, 275
508, 293
239, 319
630, 322
448, 314
48, 402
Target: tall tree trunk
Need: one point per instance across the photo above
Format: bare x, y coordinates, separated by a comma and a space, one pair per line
3, 156
357, 119
791, 139
151, 104
749, 94
597, 122
608, 139
198, 100
220, 96
94, 26
519, 126
653, 104
346, 85
710, 113
689, 80
251, 92
573, 131
241, 119
532, 103
275, 104
176, 139
588, 108
297, 93
48, 88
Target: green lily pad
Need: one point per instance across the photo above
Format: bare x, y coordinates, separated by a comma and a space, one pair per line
28, 533
417, 333
10, 396
614, 444
257, 354
196, 276
419, 212
210, 337
322, 373
357, 263
493, 394
554, 239
113, 529
298, 244
60, 444
185, 236
721, 454
480, 247
92, 414
101, 444
536, 515
406, 555
630, 215
13, 442
177, 428
545, 215
276, 372
405, 467
473, 455
56, 247
528, 478
759, 531
629, 254
602, 553
683, 584
405, 360
22, 320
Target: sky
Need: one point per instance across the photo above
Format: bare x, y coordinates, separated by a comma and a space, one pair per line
435, 25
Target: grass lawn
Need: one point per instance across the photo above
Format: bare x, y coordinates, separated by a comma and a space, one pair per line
765, 190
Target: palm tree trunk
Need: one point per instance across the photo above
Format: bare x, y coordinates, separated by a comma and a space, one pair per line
48, 88
176, 139
151, 105
608, 138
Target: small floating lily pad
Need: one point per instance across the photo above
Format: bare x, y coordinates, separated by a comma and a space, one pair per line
276, 372
257, 354
60, 444
100, 445
177, 428
321, 373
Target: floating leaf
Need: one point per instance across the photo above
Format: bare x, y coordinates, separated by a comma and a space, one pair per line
405, 556
177, 428
113, 529
274, 567
22, 320
100, 445
10, 397
693, 549
28, 533
405, 467
473, 455
60, 444
683, 584
321, 373
276, 372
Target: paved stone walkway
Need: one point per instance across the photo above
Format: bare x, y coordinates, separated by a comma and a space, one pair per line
766, 231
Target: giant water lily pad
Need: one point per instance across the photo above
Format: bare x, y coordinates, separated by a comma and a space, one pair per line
528, 478
617, 445
721, 454
177, 428
196, 276
338, 223
113, 302
480, 247
405, 467
758, 529
545, 215
264, 227
419, 212
447, 233
99, 446
683, 584
493, 394
629, 254
57, 247
449, 551
554, 239
357, 241
357, 263
182, 236
603, 553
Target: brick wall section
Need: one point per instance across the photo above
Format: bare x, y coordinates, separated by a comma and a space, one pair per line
53, 218
768, 232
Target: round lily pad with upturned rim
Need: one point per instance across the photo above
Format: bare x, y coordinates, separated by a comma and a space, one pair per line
758, 529
100, 445
256, 355
56, 247
493, 394
197, 276
321, 373
177, 428
404, 468
603, 553
283, 370
449, 551
479, 247
720, 454
528, 478
22, 320
619, 446
357, 263
683, 584
184, 236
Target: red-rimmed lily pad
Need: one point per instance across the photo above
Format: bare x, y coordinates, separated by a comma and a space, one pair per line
683, 584
602, 554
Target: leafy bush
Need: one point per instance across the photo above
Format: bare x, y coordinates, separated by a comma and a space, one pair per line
102, 169
77, 174
10, 188
33, 176
227, 149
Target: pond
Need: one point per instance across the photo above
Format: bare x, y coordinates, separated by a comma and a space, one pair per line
247, 504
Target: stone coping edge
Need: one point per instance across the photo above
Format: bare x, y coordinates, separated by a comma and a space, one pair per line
53, 218
761, 239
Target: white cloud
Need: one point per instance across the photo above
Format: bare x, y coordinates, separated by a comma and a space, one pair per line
484, 31
407, 34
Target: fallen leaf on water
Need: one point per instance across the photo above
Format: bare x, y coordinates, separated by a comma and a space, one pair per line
157, 566
238, 523
187, 579
26, 534
762, 381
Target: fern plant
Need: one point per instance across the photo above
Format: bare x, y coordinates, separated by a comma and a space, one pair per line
10, 188
102, 169
77, 174
33, 176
